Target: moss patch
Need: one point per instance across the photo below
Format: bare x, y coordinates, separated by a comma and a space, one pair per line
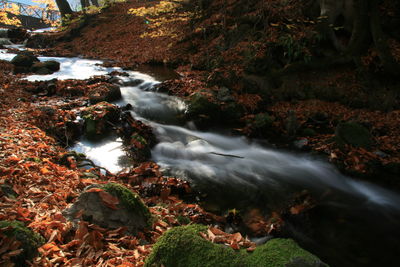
354, 134
30, 241
183, 246
129, 200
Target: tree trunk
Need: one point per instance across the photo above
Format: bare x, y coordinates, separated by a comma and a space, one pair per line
95, 3
64, 7
360, 35
390, 65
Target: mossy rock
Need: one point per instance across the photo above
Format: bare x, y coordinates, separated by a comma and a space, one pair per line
46, 67
30, 241
354, 134
129, 200
263, 121
308, 132
98, 118
200, 105
104, 92
183, 246
129, 212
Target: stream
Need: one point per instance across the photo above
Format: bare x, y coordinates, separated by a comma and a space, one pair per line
355, 223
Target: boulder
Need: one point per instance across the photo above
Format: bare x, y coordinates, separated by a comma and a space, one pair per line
17, 35
354, 134
45, 67
183, 246
24, 59
110, 206
104, 92
99, 118
30, 241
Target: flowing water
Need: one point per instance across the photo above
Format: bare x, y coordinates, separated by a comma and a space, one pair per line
354, 224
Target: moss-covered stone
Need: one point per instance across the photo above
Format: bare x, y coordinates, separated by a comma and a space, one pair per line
282, 252
353, 134
183, 246
263, 120
130, 200
98, 118
30, 241
200, 105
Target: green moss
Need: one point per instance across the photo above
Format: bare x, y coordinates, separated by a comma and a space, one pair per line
183, 246
201, 105
308, 132
30, 241
263, 120
183, 219
129, 200
282, 252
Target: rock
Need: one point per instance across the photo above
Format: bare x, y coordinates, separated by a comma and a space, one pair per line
263, 121
17, 35
224, 95
24, 59
5, 41
183, 246
300, 144
201, 109
98, 118
45, 67
291, 124
104, 92
110, 206
308, 132
30, 241
354, 134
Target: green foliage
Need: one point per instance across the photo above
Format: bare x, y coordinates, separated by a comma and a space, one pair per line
183, 246
183, 220
263, 120
30, 241
294, 50
129, 200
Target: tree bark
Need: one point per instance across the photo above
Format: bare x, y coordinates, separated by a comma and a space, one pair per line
390, 65
64, 7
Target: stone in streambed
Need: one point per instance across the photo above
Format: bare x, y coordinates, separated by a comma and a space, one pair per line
23, 62
110, 206
183, 246
104, 92
99, 118
45, 67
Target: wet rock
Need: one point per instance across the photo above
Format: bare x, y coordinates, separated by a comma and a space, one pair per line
5, 41
291, 124
301, 144
23, 62
183, 246
354, 134
104, 92
110, 206
202, 110
308, 132
45, 67
30, 241
17, 35
99, 119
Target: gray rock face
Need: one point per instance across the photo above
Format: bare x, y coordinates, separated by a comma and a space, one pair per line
95, 209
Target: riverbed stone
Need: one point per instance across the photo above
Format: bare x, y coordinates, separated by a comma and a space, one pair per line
354, 134
30, 241
183, 246
99, 118
104, 92
110, 206
45, 67
5, 41
24, 59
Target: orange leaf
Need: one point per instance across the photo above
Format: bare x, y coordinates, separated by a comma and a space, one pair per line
44, 170
95, 189
50, 247
109, 200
